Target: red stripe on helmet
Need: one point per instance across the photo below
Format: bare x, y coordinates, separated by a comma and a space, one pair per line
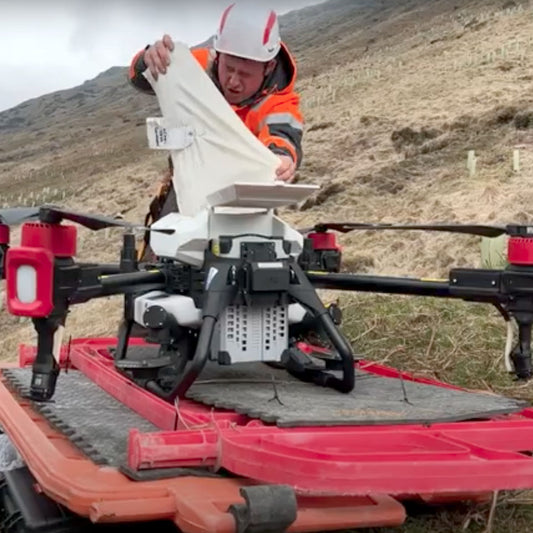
224, 17
269, 25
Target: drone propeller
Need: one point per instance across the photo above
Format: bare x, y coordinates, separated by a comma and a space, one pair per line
468, 229
52, 214
11, 216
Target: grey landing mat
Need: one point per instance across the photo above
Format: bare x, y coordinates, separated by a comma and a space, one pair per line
273, 396
92, 419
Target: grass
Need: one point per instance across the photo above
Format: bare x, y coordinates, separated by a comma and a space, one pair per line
465, 518
450, 340
457, 342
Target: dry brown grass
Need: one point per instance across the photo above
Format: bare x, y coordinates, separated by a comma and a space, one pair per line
351, 119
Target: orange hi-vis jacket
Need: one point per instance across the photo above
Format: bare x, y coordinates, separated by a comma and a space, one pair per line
272, 114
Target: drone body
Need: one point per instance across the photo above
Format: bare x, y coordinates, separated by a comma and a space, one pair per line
238, 293
245, 333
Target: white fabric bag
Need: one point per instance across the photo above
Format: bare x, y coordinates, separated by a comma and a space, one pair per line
210, 146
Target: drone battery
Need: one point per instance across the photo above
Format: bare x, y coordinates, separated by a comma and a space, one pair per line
269, 277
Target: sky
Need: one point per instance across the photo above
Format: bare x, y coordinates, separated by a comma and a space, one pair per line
58, 44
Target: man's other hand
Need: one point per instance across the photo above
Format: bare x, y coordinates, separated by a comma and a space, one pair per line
157, 57
287, 169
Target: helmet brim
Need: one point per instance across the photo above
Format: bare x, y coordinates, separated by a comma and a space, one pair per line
263, 59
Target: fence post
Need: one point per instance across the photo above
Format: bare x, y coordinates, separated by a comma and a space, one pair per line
471, 162
516, 161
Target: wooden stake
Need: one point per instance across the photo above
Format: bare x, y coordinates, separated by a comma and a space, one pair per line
471, 162
516, 160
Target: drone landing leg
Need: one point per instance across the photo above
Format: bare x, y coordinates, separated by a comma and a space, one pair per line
124, 332
521, 355
304, 293
128, 263
45, 367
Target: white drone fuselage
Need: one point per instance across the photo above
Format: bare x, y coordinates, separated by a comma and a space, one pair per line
245, 333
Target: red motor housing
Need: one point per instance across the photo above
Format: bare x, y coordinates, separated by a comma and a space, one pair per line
324, 241
520, 251
321, 252
30, 267
59, 239
4, 234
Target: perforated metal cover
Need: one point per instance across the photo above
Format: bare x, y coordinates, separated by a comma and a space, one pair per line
254, 333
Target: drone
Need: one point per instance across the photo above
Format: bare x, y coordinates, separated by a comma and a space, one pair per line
232, 283
217, 294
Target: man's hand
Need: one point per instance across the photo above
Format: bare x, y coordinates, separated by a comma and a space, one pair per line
285, 172
157, 57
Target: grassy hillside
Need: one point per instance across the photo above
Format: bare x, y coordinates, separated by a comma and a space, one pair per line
395, 94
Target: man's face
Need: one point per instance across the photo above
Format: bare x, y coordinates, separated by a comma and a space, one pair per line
240, 78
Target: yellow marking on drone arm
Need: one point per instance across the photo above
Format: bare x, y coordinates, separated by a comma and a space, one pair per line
104, 276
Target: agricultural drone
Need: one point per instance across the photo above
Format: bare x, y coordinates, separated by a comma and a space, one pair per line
222, 294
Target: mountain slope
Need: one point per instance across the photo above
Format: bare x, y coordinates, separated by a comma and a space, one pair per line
394, 96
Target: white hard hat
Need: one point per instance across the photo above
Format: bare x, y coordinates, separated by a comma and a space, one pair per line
249, 31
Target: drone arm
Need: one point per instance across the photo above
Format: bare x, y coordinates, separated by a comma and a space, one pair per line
131, 282
469, 285
94, 283
105, 269
388, 285
510, 290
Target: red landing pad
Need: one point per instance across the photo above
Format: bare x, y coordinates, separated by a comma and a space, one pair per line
344, 477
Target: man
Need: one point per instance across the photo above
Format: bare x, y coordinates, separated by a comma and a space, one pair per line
254, 71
